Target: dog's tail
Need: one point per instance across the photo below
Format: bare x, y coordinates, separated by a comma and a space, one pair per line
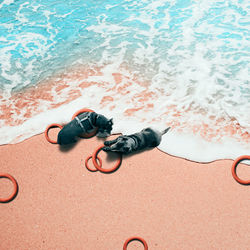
165, 131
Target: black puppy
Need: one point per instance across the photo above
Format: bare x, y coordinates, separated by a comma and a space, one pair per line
126, 144
84, 123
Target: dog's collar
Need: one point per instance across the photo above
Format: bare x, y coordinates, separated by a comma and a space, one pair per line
85, 123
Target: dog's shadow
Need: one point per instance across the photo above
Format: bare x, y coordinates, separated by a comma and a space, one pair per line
125, 156
66, 148
112, 156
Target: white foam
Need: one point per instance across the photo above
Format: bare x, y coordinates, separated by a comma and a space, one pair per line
7, 2
195, 148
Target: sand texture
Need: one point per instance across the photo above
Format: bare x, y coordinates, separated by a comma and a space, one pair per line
170, 202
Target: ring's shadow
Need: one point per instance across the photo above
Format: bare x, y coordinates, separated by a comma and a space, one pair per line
12, 198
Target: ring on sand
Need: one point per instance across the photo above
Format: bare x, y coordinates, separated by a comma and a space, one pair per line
99, 167
235, 163
91, 134
13, 195
135, 238
87, 165
54, 125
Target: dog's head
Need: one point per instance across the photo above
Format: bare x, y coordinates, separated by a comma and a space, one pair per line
104, 128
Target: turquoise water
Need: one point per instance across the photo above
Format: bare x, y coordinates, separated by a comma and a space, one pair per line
193, 55
47, 36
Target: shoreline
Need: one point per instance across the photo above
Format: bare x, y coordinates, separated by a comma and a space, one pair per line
169, 201
39, 105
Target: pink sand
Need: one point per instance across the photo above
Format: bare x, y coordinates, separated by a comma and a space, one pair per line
170, 202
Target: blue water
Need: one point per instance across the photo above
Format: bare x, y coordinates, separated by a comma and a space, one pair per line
193, 55
54, 34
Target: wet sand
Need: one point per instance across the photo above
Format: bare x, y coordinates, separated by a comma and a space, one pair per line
170, 202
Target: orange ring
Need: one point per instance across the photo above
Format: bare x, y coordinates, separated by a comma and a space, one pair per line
87, 165
80, 112
54, 125
235, 163
99, 167
13, 195
135, 238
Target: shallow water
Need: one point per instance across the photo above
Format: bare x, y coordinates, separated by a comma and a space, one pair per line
183, 64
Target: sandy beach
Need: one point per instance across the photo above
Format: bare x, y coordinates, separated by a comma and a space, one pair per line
172, 203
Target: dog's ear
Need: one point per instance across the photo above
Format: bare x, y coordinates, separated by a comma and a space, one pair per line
111, 121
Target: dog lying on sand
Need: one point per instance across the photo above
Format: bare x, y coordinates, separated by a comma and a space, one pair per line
85, 123
126, 144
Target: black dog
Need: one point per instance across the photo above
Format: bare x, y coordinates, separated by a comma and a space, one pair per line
126, 144
85, 123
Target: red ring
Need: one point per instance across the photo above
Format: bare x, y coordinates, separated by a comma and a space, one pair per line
91, 134
99, 167
81, 111
87, 165
54, 125
13, 195
235, 163
135, 238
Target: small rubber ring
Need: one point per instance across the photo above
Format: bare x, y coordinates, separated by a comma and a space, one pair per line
81, 111
135, 238
13, 195
87, 165
91, 134
99, 167
235, 163
54, 125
